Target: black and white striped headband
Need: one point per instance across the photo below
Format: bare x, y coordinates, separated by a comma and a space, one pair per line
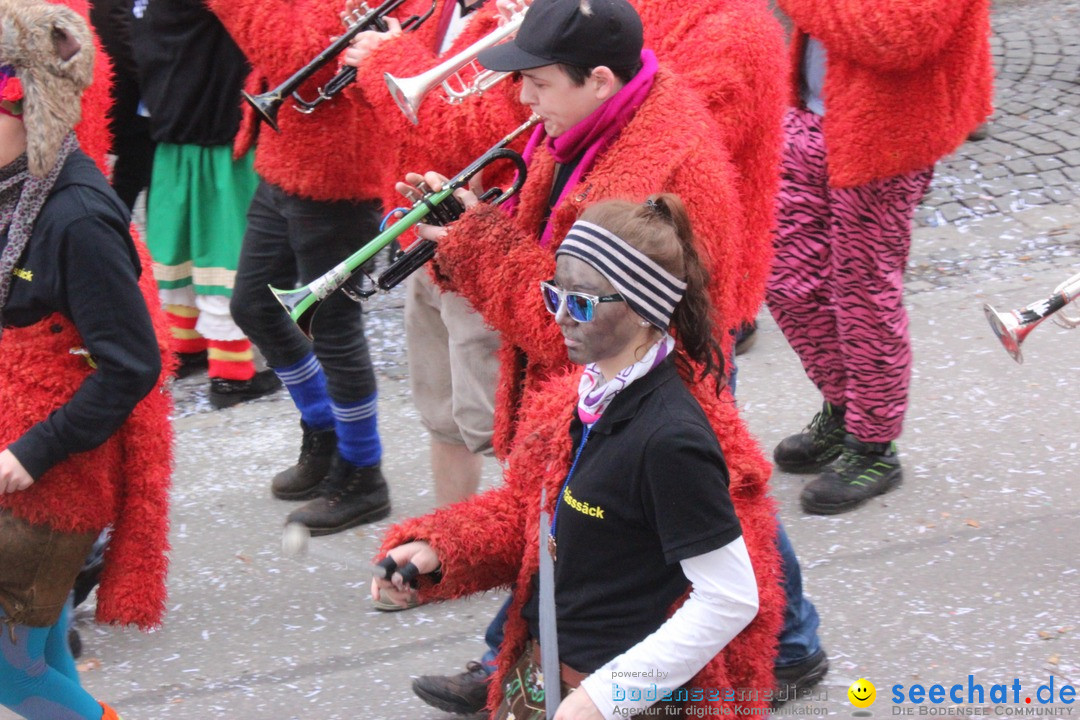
650, 290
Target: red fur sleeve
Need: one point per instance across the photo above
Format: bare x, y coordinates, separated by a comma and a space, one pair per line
488, 260
734, 57
886, 35
479, 542
278, 36
132, 588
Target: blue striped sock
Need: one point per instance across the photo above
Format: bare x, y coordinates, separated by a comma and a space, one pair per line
307, 386
357, 429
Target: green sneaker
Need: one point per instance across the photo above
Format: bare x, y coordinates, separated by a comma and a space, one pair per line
816, 446
863, 471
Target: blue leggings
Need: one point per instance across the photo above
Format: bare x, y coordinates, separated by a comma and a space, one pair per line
38, 679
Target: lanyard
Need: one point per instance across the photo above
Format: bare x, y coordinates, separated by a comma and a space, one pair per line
562, 493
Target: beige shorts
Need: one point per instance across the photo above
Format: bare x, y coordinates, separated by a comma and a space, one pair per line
453, 364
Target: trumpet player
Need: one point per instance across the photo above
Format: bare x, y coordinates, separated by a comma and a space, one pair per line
452, 354
314, 205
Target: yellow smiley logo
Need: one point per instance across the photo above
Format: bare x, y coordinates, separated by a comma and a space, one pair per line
862, 693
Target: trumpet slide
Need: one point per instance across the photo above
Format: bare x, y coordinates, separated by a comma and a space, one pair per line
302, 303
268, 104
1012, 327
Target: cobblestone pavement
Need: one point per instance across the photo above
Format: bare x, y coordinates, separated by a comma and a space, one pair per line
1032, 154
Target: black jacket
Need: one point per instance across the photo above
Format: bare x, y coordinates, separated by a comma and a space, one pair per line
190, 72
81, 262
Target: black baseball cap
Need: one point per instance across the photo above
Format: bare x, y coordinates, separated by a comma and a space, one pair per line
586, 33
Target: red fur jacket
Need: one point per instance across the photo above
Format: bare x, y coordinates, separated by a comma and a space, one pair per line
489, 540
731, 52
123, 483
496, 263
93, 129
905, 82
336, 152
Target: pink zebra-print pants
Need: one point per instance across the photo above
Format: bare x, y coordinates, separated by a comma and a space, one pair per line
837, 287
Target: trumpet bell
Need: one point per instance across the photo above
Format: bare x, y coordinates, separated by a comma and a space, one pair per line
1008, 330
301, 305
408, 93
266, 106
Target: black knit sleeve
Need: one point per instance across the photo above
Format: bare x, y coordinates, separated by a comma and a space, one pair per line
99, 273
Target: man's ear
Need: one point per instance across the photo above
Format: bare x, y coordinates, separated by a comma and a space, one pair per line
65, 44
604, 82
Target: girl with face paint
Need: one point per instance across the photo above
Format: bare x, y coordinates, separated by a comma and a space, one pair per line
637, 485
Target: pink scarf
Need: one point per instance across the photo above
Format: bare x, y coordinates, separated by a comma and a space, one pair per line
593, 135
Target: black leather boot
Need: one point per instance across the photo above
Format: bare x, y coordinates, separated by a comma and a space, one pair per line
351, 496
301, 481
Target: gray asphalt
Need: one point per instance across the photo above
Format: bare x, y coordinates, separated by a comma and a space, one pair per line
971, 567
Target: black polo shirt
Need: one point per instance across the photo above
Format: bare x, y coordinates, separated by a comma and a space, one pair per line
649, 490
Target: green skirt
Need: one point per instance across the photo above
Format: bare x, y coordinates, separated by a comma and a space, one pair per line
196, 216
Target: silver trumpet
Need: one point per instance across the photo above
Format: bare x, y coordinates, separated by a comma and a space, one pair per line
1013, 326
460, 76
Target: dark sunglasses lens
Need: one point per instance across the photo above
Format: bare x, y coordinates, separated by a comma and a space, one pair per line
580, 308
551, 299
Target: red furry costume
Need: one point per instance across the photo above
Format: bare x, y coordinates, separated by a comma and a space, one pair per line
731, 52
331, 153
490, 539
886, 59
123, 483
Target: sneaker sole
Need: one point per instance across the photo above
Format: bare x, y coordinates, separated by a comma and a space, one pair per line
368, 517
818, 509
445, 705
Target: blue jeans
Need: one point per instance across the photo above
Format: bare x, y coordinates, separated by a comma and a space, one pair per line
493, 636
798, 638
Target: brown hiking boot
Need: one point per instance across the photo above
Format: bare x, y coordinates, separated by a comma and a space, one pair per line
464, 693
301, 481
351, 496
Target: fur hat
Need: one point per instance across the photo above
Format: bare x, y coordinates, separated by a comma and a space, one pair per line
52, 51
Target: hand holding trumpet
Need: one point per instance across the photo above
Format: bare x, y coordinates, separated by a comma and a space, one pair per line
507, 9
416, 186
363, 44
